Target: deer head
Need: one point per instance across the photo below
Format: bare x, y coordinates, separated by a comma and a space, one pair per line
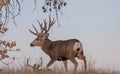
41, 36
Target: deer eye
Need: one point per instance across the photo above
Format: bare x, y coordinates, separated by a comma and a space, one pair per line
37, 39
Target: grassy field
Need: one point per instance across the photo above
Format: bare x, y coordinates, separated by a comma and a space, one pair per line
90, 70
28, 71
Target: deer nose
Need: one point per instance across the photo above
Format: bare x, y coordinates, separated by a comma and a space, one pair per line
31, 44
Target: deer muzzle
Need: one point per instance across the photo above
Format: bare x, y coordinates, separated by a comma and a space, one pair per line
31, 45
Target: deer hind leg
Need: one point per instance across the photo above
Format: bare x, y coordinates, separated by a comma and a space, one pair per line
75, 64
85, 62
81, 56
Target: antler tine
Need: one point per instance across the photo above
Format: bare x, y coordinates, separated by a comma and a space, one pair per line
45, 28
45, 25
33, 32
40, 26
51, 23
35, 29
28, 59
41, 62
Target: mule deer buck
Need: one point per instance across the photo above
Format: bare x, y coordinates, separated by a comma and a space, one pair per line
60, 50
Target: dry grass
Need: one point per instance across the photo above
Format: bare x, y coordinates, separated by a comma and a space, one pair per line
28, 71
90, 70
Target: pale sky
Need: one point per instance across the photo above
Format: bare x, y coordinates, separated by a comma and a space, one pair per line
96, 23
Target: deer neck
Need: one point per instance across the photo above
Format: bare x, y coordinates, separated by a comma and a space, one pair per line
46, 45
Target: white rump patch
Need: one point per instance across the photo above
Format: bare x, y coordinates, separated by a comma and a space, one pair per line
77, 45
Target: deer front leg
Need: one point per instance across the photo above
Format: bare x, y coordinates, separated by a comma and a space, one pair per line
50, 62
65, 65
75, 64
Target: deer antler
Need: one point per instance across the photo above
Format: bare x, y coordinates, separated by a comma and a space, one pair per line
37, 66
41, 62
45, 27
40, 26
28, 59
50, 24
35, 30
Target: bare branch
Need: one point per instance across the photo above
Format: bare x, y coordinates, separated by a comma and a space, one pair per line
7, 63
10, 10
